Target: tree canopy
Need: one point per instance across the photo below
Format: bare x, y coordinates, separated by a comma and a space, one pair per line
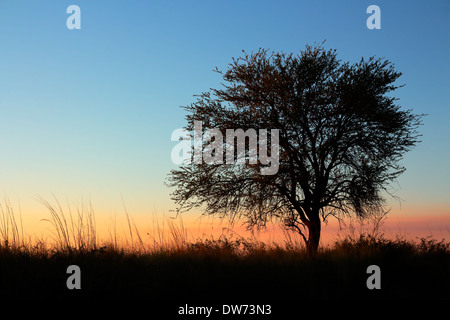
341, 138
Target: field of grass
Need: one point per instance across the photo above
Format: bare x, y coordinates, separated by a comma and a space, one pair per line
211, 269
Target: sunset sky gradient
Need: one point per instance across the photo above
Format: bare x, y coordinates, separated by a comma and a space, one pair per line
87, 115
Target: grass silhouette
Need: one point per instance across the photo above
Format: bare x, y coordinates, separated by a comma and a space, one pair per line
172, 267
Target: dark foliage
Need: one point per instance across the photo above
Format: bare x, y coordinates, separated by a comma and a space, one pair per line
342, 136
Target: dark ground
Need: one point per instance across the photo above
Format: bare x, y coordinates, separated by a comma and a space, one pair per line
217, 273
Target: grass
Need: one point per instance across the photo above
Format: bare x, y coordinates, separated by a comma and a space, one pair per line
229, 267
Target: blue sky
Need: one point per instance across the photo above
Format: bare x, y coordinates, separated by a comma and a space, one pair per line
89, 113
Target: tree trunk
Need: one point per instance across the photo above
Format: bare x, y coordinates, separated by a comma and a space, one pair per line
314, 229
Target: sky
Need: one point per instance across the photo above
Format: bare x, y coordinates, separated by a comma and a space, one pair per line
87, 114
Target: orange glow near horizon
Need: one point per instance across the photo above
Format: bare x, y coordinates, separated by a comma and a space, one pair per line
411, 223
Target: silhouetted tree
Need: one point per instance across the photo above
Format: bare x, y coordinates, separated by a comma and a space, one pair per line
341, 138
